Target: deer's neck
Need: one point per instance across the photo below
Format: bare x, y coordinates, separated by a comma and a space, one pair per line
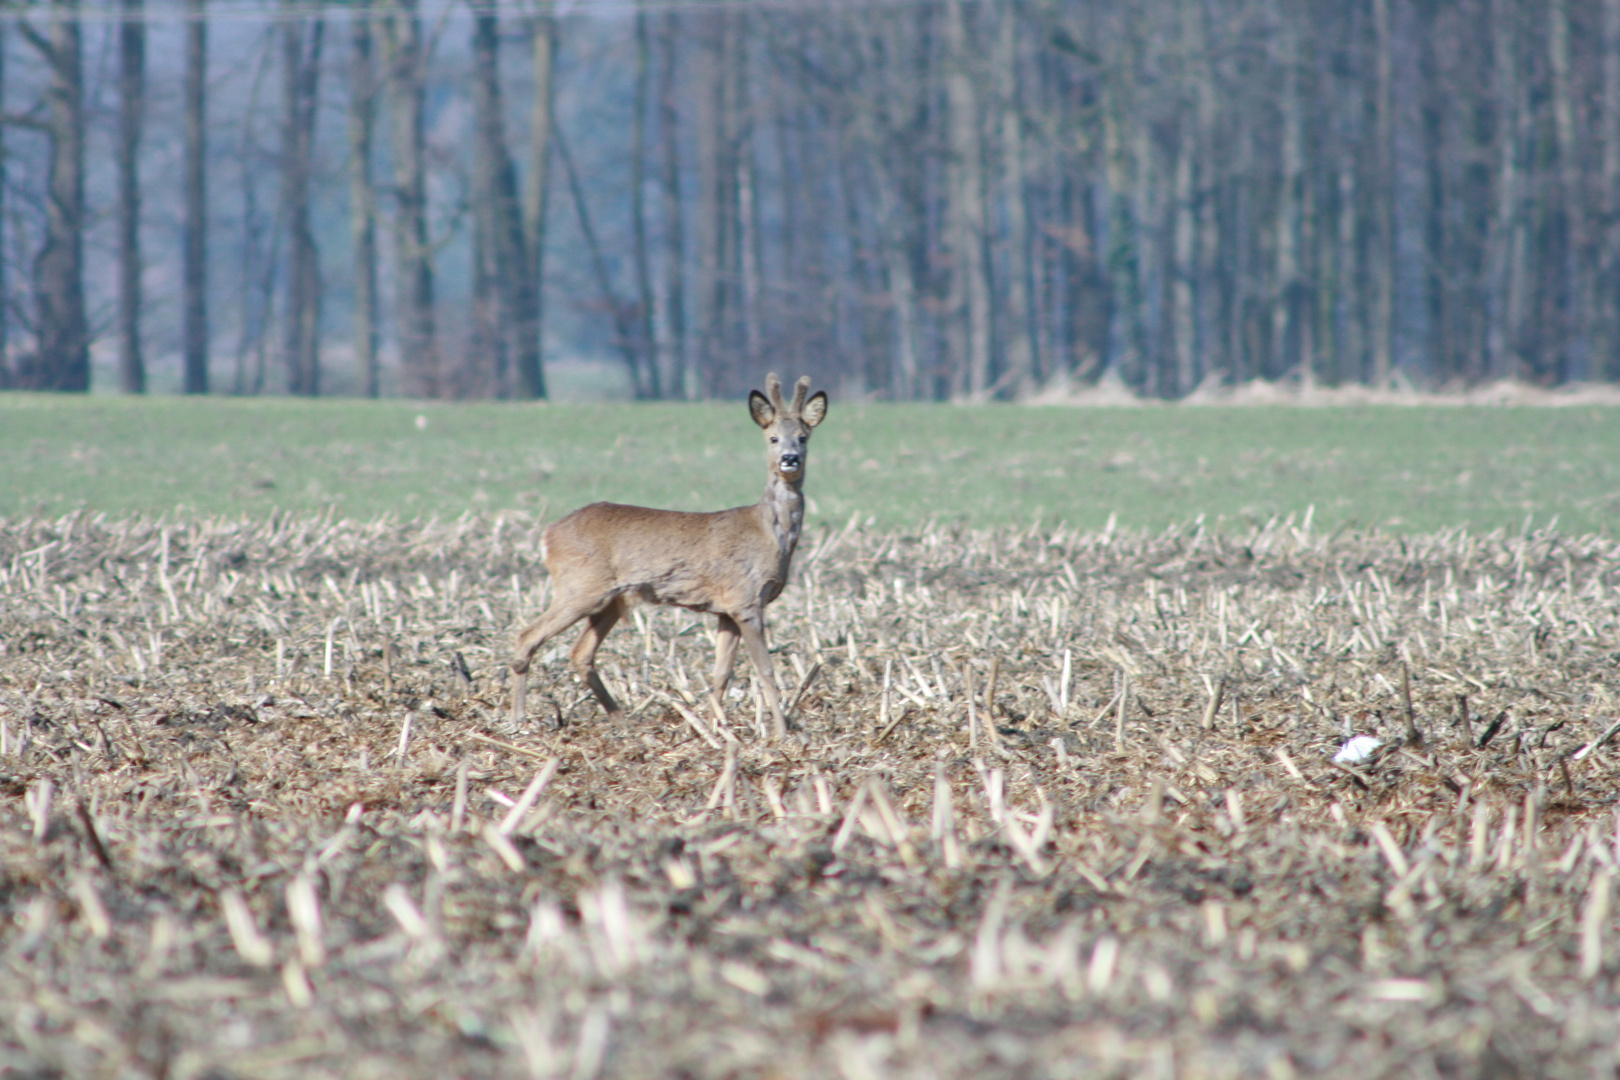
783, 507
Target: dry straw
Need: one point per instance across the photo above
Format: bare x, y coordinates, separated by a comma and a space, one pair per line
1058, 797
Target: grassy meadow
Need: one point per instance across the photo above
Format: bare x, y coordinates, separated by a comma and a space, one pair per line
1411, 468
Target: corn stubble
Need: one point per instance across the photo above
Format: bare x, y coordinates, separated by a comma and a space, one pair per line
1064, 805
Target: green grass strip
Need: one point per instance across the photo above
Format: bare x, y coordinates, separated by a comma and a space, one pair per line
1411, 468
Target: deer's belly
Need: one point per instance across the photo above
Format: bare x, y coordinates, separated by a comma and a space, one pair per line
700, 593
690, 599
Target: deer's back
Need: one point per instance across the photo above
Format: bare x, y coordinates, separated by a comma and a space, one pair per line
714, 561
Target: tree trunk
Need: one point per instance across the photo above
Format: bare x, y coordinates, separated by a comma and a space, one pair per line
1149, 266
363, 198
405, 64
965, 224
8, 376
1018, 335
1123, 256
1208, 341
543, 40
1608, 311
886, 133
62, 361
1285, 300
1349, 344
1411, 346
728, 327
485, 369
301, 41
1308, 296
517, 322
194, 269
131, 109
1504, 243
1577, 298
746, 232
707, 74
1183, 271
680, 382
648, 342
854, 339
259, 244
893, 221
1382, 267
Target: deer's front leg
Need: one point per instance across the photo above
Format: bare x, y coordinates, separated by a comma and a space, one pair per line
753, 632
725, 657
584, 656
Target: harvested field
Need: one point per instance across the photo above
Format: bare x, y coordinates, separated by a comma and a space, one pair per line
1063, 806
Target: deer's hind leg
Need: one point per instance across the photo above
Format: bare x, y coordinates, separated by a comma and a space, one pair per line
563, 613
725, 658
583, 655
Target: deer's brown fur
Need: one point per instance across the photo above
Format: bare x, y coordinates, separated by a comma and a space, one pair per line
606, 556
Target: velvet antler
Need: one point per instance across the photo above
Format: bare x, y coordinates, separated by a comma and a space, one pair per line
799, 393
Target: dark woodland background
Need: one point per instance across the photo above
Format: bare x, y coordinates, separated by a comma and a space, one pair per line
908, 199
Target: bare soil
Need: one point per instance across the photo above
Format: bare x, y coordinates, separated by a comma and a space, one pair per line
1059, 805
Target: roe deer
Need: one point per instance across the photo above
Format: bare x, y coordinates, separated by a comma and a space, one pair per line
605, 556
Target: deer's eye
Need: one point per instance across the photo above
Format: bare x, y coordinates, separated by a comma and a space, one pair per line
773, 438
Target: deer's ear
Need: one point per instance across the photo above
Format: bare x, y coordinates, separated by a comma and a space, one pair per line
815, 410
760, 409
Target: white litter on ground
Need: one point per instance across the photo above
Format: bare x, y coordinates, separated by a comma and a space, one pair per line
1357, 749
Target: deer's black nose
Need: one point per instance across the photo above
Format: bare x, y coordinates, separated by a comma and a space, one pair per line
790, 462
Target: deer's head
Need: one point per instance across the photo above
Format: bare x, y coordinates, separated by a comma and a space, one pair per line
787, 425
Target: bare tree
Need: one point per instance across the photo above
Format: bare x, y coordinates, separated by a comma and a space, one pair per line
517, 329
1018, 331
648, 343
61, 360
891, 51
1383, 257
680, 382
1123, 257
1576, 284
301, 41
194, 272
1192, 220
7, 376
405, 64
1409, 269
1346, 284
1289, 313
1607, 343
536, 184
966, 199
131, 108
363, 196
714, 176
965, 221
748, 336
